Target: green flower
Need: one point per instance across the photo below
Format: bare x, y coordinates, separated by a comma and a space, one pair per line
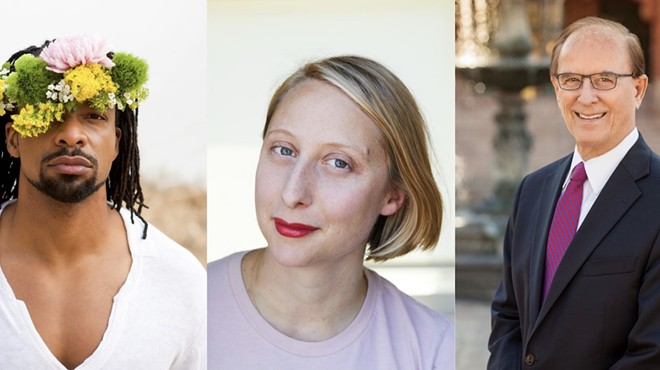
29, 83
129, 72
43, 88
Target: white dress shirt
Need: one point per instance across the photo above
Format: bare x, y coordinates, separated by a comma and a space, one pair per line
599, 170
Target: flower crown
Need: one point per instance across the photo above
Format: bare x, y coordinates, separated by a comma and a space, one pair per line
69, 71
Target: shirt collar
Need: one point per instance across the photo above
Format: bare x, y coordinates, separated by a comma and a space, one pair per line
599, 169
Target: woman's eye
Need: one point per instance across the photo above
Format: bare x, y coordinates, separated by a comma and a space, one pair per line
338, 163
282, 150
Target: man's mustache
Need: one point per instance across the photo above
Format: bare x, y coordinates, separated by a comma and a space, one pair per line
65, 152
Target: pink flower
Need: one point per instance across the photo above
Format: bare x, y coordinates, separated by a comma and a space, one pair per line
69, 52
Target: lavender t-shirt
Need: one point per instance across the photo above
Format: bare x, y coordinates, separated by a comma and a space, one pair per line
391, 331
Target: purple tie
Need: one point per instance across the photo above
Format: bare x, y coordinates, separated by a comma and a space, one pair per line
564, 224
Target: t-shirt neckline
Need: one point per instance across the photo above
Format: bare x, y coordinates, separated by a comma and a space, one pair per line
292, 345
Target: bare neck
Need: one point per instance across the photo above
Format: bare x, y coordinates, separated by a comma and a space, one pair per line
65, 262
56, 231
310, 304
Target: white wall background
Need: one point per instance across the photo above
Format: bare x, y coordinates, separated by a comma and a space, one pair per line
255, 44
170, 35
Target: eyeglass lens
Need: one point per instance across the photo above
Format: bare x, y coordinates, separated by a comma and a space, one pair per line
600, 81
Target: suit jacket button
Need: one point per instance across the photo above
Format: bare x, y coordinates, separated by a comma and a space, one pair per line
529, 359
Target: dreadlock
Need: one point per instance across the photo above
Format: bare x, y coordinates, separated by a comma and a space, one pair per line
9, 166
123, 183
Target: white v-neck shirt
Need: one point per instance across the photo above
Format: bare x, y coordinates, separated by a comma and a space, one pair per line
157, 321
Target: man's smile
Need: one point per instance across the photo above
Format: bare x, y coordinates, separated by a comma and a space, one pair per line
590, 116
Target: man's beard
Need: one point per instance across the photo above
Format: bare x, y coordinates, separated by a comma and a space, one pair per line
68, 188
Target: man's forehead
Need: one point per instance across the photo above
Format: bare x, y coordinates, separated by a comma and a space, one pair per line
583, 45
596, 36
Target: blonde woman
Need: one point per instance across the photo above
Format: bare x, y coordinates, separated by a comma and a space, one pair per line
344, 172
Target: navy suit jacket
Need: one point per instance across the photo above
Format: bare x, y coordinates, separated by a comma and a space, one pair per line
603, 307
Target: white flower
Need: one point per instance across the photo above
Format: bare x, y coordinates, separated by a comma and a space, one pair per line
52, 92
112, 100
4, 107
60, 92
51, 95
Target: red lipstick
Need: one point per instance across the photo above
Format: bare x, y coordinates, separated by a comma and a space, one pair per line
293, 230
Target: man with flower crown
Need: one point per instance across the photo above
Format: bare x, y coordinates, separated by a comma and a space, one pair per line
85, 282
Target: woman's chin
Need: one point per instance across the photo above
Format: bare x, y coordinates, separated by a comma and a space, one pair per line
290, 256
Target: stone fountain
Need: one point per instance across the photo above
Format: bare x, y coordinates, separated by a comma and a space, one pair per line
480, 230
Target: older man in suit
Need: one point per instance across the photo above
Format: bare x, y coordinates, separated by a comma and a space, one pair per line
581, 277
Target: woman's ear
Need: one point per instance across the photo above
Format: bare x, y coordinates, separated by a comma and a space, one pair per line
393, 202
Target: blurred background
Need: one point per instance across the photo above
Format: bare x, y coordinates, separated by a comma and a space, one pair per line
172, 122
255, 44
508, 124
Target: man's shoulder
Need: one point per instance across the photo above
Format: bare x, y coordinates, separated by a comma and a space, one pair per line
549, 169
642, 162
655, 163
553, 166
158, 250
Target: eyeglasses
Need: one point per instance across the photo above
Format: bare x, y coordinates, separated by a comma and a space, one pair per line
600, 81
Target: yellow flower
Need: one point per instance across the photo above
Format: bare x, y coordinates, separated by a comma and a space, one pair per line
52, 111
88, 80
3, 83
33, 122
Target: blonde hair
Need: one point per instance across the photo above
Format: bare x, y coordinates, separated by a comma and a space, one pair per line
391, 106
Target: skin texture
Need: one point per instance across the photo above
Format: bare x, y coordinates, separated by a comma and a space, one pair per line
59, 180
66, 258
598, 120
322, 164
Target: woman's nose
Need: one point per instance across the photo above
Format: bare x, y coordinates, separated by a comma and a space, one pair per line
297, 187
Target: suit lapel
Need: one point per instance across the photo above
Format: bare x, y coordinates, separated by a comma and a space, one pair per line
548, 199
620, 192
